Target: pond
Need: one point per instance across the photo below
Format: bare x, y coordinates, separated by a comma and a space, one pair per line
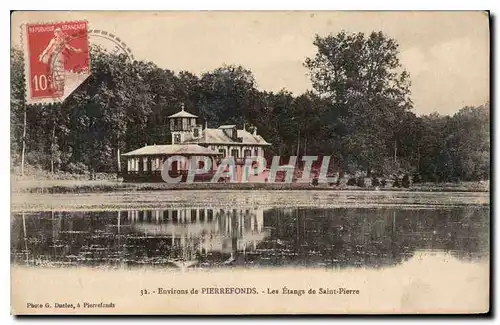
196, 230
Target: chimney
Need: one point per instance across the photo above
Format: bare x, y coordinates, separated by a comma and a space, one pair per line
244, 129
254, 130
205, 133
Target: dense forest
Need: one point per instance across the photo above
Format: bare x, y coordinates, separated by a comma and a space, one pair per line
360, 112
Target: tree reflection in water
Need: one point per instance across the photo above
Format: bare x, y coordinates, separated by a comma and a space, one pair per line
208, 238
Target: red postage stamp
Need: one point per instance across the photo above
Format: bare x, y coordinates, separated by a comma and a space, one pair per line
56, 60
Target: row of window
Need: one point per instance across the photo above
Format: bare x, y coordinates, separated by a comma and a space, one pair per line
182, 124
235, 152
144, 164
177, 136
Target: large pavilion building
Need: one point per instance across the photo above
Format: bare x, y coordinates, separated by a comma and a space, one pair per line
188, 139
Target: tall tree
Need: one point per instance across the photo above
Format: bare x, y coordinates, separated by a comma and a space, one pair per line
471, 149
369, 92
228, 93
17, 106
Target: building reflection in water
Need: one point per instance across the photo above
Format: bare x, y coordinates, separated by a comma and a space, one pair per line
192, 237
196, 233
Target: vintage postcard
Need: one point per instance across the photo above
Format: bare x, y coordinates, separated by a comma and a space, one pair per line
235, 163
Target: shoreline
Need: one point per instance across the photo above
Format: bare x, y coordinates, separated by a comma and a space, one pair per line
108, 186
121, 201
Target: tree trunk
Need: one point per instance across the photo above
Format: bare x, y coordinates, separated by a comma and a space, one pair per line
341, 175
395, 150
52, 147
119, 162
298, 143
24, 143
418, 157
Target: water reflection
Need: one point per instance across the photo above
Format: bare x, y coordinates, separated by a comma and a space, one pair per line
181, 238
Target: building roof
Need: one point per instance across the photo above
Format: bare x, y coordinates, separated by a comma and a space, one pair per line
227, 126
217, 136
171, 149
182, 113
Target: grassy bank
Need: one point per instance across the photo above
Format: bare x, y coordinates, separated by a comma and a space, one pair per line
103, 186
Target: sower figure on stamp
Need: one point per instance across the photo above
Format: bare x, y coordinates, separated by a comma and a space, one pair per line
54, 57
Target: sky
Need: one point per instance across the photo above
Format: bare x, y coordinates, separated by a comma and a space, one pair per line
446, 53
